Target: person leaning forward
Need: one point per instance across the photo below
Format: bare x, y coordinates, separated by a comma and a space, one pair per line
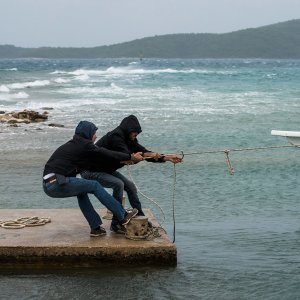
123, 139
60, 181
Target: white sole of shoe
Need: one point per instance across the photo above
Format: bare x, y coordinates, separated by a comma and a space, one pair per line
98, 234
130, 219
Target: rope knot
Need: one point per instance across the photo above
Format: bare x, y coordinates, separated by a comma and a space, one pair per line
229, 166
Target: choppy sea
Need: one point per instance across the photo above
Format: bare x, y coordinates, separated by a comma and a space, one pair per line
237, 236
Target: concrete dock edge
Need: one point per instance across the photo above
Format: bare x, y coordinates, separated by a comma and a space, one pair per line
66, 242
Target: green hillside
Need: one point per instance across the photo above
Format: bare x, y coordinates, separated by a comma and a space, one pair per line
281, 40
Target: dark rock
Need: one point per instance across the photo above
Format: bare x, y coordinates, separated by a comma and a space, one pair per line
25, 116
55, 125
31, 115
12, 121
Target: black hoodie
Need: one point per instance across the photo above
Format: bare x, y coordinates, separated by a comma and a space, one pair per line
118, 140
74, 156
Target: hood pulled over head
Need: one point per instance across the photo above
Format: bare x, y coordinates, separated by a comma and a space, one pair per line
130, 124
86, 129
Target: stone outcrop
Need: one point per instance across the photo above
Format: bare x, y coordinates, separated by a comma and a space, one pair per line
56, 125
26, 116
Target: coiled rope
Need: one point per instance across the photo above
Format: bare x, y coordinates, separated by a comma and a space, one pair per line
151, 234
24, 222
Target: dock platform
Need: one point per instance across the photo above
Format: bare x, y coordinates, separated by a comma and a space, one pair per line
65, 242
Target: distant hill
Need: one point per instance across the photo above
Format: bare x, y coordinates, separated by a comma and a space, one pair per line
280, 40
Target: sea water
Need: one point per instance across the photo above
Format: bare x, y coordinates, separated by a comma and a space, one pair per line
238, 236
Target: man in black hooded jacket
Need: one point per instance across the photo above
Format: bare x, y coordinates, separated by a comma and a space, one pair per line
60, 181
123, 139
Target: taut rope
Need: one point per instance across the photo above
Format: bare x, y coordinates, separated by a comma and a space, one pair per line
227, 151
240, 149
154, 232
173, 202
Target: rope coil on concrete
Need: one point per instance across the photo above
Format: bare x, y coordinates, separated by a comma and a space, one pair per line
151, 234
24, 222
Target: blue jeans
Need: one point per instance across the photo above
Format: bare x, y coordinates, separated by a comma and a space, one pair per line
118, 183
81, 188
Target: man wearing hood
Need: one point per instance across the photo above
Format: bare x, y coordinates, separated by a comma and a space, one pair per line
60, 181
124, 139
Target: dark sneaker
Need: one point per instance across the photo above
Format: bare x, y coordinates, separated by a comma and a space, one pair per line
140, 213
98, 231
129, 216
116, 228
150, 225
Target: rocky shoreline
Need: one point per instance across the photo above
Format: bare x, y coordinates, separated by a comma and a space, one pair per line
26, 116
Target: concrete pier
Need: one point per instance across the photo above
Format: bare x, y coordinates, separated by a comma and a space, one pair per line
65, 242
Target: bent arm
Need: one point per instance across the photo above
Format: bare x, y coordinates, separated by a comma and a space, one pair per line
113, 154
106, 153
157, 157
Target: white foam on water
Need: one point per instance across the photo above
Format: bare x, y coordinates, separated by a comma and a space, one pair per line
82, 77
4, 89
65, 108
5, 97
80, 72
11, 69
87, 91
59, 72
36, 83
131, 70
61, 80
115, 87
20, 95
13, 97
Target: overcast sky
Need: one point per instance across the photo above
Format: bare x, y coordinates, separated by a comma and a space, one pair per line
88, 23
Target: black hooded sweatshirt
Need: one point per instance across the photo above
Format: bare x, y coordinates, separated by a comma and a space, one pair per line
74, 156
118, 140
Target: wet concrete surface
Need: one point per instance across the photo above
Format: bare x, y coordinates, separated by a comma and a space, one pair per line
65, 242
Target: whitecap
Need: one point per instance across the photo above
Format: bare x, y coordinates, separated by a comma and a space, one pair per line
61, 80
80, 72
59, 72
133, 68
5, 97
115, 87
36, 83
86, 91
12, 97
11, 69
83, 77
20, 95
4, 89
